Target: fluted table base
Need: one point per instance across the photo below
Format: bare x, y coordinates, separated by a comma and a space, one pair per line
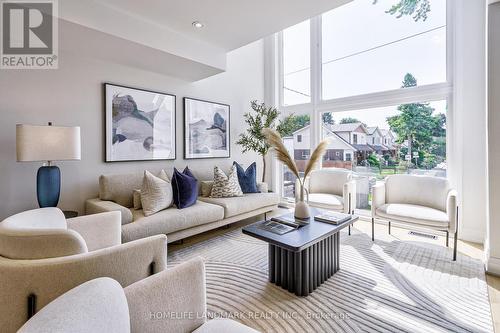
302, 272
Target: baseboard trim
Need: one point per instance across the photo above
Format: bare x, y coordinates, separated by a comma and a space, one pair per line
471, 235
493, 266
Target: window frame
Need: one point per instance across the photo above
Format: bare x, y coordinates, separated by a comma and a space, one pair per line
317, 106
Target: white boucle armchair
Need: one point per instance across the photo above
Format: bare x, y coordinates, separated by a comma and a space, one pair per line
43, 255
422, 201
171, 301
332, 189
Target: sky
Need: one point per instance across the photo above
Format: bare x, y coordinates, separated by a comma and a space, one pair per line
366, 50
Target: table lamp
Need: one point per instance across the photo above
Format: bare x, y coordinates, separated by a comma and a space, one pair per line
47, 144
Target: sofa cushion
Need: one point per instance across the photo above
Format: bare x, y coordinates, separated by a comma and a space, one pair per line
417, 190
247, 178
156, 193
248, 202
171, 219
414, 214
137, 199
206, 187
120, 187
185, 187
327, 201
223, 326
225, 186
329, 180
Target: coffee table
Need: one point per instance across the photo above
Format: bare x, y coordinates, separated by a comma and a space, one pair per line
303, 259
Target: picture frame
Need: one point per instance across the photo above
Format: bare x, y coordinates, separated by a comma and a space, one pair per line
207, 130
140, 124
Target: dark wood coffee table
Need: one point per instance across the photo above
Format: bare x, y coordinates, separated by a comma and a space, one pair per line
303, 259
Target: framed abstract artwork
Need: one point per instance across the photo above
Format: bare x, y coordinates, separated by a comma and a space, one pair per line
140, 124
206, 129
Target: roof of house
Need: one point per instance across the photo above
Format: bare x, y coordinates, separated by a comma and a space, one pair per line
372, 130
363, 147
300, 129
330, 132
350, 127
386, 132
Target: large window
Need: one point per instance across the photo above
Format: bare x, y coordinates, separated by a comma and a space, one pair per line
365, 50
408, 138
374, 78
296, 64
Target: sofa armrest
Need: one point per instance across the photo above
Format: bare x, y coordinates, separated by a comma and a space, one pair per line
179, 291
94, 206
451, 210
378, 196
262, 187
349, 195
98, 230
50, 278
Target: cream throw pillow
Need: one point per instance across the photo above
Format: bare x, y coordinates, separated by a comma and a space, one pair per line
156, 193
206, 187
226, 186
137, 199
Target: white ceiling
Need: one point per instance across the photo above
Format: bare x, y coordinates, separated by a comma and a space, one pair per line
229, 24
161, 34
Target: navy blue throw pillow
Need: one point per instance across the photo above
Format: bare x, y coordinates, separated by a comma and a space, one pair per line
247, 178
184, 188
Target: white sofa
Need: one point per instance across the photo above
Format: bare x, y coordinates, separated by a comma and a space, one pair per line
43, 255
152, 305
116, 194
422, 201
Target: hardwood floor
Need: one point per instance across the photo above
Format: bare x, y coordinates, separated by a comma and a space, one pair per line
471, 249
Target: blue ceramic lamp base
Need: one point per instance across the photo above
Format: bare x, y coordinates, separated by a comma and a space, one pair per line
48, 186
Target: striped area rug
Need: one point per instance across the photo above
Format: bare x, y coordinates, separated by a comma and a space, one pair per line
386, 286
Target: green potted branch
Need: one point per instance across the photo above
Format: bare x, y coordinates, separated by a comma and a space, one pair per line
261, 117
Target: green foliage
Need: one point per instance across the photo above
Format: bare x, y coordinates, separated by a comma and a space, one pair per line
409, 81
424, 131
292, 123
261, 117
373, 160
327, 118
349, 120
418, 9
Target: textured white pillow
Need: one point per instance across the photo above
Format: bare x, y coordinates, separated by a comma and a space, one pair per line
156, 193
226, 186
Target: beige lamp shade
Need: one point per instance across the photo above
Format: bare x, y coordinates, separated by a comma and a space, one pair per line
47, 143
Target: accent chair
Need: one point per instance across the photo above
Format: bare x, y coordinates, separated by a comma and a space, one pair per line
43, 255
422, 201
332, 189
170, 301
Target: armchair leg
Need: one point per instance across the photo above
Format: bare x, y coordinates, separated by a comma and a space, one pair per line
447, 239
389, 227
455, 246
373, 229
455, 240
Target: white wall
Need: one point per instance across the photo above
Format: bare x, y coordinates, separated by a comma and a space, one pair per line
467, 138
73, 96
492, 243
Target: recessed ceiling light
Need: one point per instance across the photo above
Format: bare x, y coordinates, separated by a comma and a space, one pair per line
198, 24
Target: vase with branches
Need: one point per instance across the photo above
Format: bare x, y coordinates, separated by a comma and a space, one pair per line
262, 116
273, 139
